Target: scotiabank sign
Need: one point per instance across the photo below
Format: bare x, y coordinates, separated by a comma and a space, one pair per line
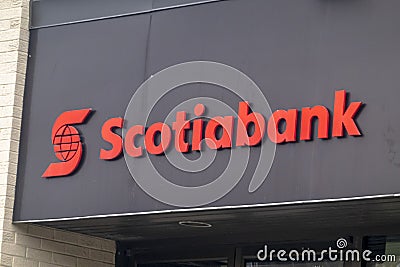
296, 121
343, 119
195, 131
249, 129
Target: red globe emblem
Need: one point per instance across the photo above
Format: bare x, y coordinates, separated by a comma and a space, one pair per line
66, 142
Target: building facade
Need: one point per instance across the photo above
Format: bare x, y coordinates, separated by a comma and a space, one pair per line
199, 133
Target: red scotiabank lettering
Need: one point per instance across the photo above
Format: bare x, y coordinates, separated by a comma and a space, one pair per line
245, 118
344, 118
219, 132
130, 147
289, 134
111, 137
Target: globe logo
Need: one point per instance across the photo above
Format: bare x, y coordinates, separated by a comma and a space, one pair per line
66, 142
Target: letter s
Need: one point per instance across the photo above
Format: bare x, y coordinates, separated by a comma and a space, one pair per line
114, 139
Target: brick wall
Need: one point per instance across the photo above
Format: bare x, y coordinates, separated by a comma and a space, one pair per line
30, 245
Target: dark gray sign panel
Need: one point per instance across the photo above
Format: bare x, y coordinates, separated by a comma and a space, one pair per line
49, 13
299, 53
